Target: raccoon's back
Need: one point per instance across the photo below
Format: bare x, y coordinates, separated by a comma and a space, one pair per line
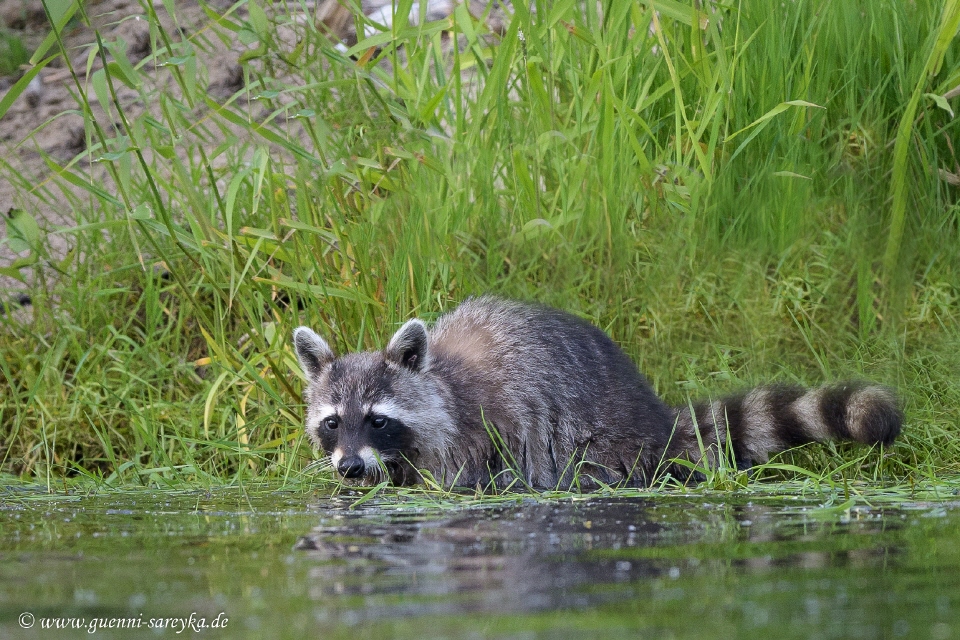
535, 352
556, 388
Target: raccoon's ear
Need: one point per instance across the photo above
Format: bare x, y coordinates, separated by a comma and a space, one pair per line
408, 346
312, 351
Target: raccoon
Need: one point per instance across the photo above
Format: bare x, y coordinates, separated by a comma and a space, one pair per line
502, 392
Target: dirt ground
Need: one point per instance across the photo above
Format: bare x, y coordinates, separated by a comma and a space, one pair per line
44, 120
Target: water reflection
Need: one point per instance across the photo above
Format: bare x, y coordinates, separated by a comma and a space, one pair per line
519, 558
539, 556
289, 565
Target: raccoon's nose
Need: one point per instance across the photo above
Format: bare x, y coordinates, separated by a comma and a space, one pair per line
351, 467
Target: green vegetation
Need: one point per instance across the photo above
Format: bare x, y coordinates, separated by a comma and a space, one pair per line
734, 196
12, 53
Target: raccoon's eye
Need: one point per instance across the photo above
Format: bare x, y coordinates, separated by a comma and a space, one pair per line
379, 422
330, 423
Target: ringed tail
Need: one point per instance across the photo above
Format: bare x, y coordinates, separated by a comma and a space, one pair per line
774, 418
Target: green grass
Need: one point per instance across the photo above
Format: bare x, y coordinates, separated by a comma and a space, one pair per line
735, 197
12, 53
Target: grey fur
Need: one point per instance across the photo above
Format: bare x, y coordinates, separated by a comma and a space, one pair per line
313, 351
499, 389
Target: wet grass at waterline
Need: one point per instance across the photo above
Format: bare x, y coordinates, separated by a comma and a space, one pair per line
723, 193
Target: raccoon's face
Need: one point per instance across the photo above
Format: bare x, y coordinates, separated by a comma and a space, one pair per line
372, 412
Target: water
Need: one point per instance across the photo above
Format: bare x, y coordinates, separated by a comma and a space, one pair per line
284, 565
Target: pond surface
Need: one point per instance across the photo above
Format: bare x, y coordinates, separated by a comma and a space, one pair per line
286, 565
